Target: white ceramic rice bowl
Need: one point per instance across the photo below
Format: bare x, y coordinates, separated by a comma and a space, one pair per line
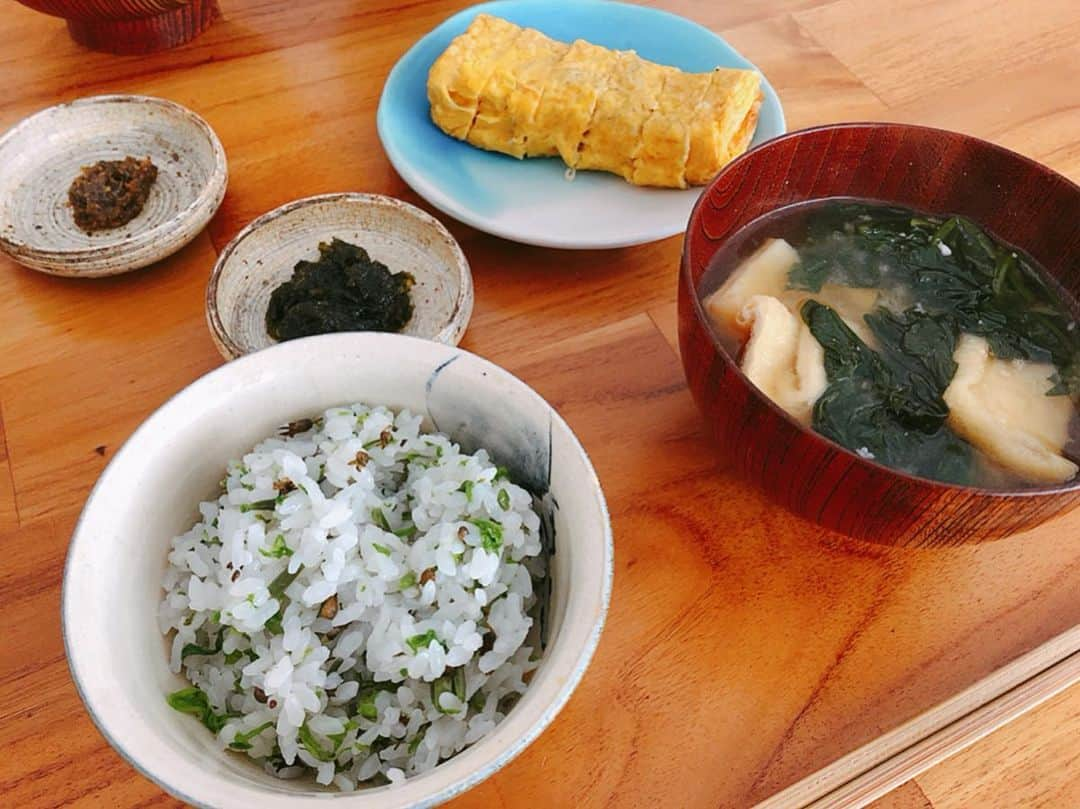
149, 493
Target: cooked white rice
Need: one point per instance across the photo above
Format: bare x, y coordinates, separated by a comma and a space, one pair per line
357, 601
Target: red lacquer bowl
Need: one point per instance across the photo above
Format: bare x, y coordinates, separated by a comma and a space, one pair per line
131, 26
1018, 200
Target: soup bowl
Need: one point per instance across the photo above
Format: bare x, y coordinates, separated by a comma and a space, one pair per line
150, 491
1018, 200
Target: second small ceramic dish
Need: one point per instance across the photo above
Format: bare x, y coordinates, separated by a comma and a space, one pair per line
532, 201
403, 237
40, 157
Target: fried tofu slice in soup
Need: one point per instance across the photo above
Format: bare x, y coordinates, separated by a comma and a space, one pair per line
1001, 408
764, 272
853, 304
782, 358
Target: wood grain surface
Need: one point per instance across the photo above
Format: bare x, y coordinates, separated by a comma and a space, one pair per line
745, 648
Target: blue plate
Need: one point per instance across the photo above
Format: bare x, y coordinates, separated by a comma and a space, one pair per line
532, 201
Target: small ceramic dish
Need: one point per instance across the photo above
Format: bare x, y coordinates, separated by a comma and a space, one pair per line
264, 254
532, 201
112, 582
40, 156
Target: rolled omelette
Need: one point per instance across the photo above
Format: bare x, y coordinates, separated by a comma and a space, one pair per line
513, 90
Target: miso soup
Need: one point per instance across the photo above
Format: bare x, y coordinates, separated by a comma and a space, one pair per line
918, 341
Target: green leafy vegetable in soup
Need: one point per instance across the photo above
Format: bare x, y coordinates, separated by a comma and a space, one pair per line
917, 341
949, 268
885, 410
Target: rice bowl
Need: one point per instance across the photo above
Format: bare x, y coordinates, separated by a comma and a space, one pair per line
148, 495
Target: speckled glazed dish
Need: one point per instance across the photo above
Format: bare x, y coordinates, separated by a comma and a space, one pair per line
40, 157
264, 254
117, 557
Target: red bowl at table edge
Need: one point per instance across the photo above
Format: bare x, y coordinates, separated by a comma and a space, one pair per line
131, 26
1017, 199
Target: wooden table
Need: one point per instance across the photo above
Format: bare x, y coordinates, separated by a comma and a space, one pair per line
291, 88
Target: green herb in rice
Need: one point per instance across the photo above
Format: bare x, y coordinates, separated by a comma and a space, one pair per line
307, 682
491, 534
277, 549
422, 641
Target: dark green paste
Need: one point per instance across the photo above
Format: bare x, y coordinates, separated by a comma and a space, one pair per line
344, 290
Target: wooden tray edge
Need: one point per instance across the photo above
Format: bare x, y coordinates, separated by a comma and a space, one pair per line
914, 747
